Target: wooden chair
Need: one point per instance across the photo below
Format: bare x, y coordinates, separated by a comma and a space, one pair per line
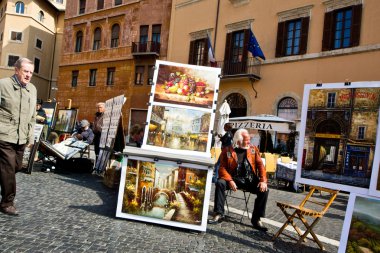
307, 208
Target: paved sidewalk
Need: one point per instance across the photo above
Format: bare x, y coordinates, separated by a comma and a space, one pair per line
76, 213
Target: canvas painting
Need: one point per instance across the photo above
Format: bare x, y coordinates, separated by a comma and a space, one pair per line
361, 228
339, 126
164, 192
65, 121
185, 84
182, 130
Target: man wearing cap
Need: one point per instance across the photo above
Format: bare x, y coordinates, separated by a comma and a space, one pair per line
17, 119
84, 133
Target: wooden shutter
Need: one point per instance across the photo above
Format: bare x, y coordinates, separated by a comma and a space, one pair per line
280, 39
327, 31
304, 34
245, 47
227, 50
191, 52
205, 52
356, 25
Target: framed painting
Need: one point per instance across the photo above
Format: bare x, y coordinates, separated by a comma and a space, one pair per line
65, 122
338, 135
184, 84
374, 188
164, 192
361, 225
179, 130
49, 108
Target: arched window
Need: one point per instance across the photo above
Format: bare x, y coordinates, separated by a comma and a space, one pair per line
238, 105
20, 7
97, 39
41, 16
78, 41
115, 35
287, 108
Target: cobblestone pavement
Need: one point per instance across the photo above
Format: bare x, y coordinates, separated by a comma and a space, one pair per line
76, 213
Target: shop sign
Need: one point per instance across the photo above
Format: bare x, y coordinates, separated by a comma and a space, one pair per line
331, 136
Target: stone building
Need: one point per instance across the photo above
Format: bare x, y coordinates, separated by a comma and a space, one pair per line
110, 48
32, 29
303, 41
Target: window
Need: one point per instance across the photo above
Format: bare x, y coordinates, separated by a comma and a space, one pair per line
361, 133
37, 65
16, 36
92, 81
292, 37
74, 78
118, 2
100, 4
110, 76
82, 6
20, 7
41, 16
12, 60
237, 46
115, 35
78, 41
198, 54
144, 33
236, 52
39, 43
97, 39
287, 108
331, 100
150, 74
342, 28
139, 75
156, 38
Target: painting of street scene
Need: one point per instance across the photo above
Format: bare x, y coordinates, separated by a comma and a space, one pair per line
186, 85
165, 191
65, 121
340, 135
178, 128
364, 232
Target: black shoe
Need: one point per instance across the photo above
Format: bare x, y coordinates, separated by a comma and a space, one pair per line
216, 219
259, 226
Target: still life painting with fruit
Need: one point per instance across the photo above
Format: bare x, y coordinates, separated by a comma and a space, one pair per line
180, 85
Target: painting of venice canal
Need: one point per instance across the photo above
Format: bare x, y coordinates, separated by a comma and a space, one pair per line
164, 190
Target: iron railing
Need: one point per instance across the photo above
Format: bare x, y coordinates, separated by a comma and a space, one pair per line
146, 47
231, 68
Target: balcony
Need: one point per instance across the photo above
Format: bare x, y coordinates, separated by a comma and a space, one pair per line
148, 48
250, 69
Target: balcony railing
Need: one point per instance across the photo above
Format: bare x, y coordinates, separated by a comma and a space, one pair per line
231, 69
148, 47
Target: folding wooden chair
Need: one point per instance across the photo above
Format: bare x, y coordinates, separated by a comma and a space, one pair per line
246, 196
307, 208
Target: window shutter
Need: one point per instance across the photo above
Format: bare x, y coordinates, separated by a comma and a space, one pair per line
356, 24
191, 52
304, 34
205, 52
280, 39
327, 31
245, 47
227, 50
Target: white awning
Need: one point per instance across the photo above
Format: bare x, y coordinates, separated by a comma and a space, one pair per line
262, 122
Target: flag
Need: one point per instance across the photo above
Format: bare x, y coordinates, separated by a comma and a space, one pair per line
253, 46
211, 57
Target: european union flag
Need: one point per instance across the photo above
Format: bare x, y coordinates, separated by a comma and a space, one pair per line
253, 46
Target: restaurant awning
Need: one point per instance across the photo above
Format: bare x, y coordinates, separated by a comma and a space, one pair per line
262, 122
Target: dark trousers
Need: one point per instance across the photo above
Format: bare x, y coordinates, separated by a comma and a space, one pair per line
96, 144
260, 202
10, 163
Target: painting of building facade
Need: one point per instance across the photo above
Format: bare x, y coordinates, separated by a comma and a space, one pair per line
340, 134
163, 191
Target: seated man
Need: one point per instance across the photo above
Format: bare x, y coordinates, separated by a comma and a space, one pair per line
84, 133
241, 167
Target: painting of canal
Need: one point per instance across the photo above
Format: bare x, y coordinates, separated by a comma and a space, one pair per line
164, 190
363, 220
179, 129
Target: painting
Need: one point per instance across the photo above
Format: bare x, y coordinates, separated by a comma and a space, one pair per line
338, 135
164, 192
65, 122
185, 84
180, 130
361, 228
49, 108
374, 188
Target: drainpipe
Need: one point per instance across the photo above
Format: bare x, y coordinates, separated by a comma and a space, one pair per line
216, 24
52, 61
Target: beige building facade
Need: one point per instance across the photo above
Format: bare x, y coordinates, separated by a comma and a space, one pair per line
32, 29
304, 42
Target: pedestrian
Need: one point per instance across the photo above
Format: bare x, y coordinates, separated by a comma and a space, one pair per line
137, 135
226, 141
84, 133
17, 120
41, 114
241, 167
97, 126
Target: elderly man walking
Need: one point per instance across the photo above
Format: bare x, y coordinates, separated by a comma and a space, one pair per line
17, 119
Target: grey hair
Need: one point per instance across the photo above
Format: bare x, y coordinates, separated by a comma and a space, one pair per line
20, 61
101, 103
238, 136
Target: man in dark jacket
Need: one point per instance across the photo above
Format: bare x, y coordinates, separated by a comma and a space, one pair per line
17, 119
97, 127
84, 133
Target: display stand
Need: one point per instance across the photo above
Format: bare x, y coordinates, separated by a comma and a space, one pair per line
30, 152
